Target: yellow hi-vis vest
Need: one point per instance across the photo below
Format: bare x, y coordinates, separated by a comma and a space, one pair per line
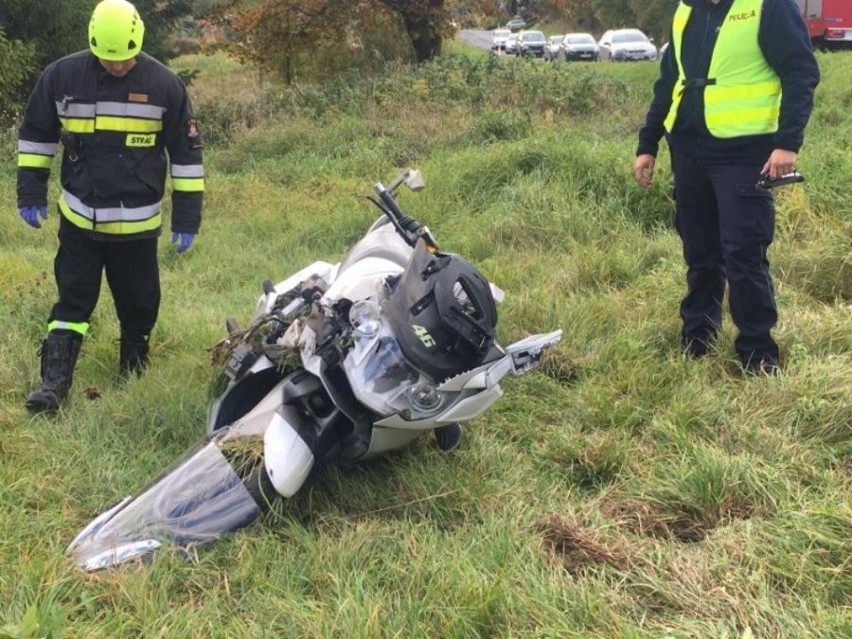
742, 93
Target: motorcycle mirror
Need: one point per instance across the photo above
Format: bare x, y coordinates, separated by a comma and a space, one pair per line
415, 181
412, 178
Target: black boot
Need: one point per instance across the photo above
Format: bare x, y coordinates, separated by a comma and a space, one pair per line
58, 357
133, 357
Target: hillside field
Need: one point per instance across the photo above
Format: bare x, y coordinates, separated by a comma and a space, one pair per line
620, 492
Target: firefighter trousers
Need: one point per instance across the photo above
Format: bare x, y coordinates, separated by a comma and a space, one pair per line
132, 274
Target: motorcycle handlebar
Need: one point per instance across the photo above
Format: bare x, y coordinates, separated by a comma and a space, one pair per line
407, 225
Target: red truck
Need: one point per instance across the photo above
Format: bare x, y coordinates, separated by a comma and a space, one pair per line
829, 21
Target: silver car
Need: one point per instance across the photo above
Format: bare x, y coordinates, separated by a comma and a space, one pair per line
498, 39
626, 44
553, 48
511, 46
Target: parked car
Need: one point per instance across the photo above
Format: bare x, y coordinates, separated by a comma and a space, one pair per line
511, 46
553, 48
498, 39
580, 46
516, 24
531, 43
626, 44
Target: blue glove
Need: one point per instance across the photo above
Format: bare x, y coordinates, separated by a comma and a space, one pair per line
186, 240
30, 215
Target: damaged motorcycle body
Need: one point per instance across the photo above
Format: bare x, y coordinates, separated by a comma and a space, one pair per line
340, 363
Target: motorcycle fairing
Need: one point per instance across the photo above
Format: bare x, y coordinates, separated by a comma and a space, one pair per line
381, 241
361, 280
526, 354
287, 456
481, 384
461, 410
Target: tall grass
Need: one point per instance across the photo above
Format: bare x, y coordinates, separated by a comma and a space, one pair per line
620, 491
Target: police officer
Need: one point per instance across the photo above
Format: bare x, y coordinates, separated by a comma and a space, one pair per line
126, 123
733, 97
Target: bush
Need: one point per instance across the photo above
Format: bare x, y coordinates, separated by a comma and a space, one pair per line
17, 62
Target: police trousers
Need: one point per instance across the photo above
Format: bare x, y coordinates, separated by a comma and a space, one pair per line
726, 224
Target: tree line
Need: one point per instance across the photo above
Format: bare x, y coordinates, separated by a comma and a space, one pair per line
273, 33
288, 36
32, 34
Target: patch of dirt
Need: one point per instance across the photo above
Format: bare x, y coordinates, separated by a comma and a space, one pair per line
558, 366
575, 546
650, 520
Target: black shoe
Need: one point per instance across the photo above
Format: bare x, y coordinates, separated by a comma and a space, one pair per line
448, 437
132, 357
766, 365
694, 347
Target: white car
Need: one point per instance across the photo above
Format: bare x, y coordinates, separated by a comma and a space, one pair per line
511, 46
553, 48
626, 44
498, 39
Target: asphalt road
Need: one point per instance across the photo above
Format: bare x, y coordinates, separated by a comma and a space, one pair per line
476, 38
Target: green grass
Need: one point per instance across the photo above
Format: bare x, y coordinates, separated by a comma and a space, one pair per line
620, 491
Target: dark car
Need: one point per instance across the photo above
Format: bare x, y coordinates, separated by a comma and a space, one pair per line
580, 46
531, 43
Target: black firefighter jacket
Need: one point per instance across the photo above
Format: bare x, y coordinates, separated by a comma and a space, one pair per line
121, 138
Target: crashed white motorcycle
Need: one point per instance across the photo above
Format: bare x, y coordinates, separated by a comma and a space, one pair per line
340, 363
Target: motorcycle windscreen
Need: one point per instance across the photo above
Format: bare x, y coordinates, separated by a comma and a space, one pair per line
199, 499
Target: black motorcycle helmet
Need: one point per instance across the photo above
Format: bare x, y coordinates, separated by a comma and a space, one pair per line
442, 312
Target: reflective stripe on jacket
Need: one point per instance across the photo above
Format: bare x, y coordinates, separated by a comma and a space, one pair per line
120, 136
742, 93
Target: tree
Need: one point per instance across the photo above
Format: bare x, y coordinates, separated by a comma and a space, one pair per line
52, 29
273, 33
16, 65
160, 19
426, 23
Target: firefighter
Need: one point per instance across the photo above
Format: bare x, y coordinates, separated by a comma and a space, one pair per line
125, 122
735, 91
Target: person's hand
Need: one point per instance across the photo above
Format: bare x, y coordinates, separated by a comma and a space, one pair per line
643, 169
30, 215
183, 240
780, 162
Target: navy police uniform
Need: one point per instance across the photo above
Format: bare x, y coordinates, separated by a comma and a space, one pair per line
725, 221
